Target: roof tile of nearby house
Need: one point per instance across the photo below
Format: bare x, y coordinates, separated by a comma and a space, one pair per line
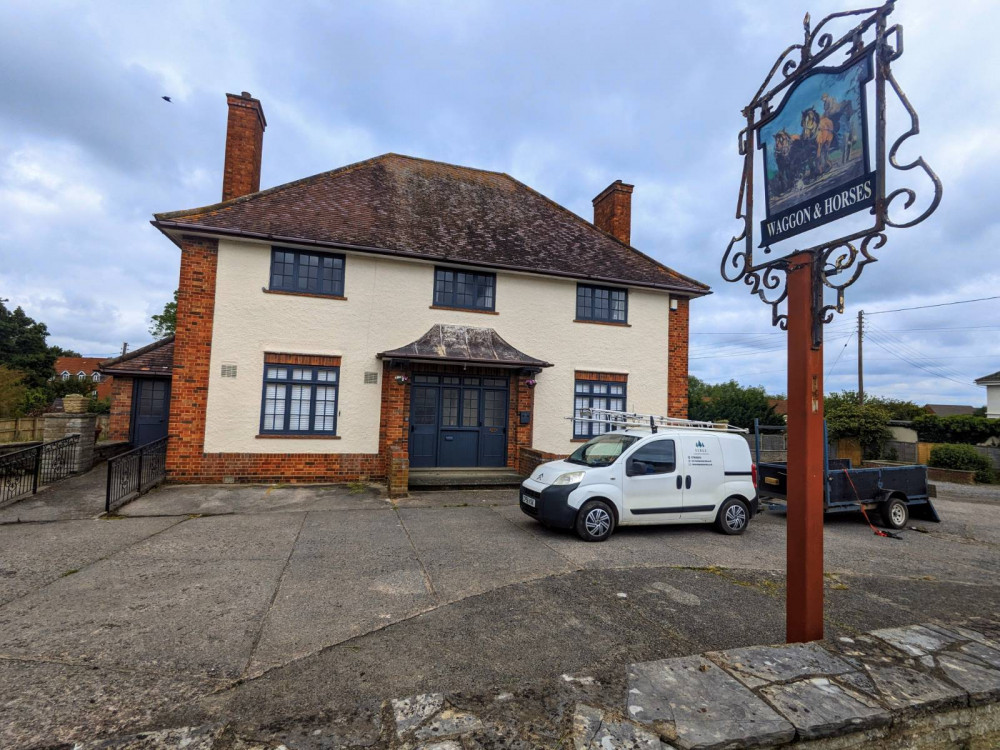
74, 365
424, 209
153, 359
994, 378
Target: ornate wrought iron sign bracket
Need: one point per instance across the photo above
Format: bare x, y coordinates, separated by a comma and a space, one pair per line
810, 120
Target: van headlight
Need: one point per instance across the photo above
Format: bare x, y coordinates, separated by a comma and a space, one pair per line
572, 477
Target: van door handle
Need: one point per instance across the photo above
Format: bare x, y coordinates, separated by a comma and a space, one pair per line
678, 481
687, 482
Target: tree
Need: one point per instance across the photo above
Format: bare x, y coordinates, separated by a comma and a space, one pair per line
165, 323
60, 352
23, 347
730, 402
868, 422
12, 392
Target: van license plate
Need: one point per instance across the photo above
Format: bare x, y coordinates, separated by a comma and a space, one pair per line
529, 501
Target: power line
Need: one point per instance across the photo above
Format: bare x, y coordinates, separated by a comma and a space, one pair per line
919, 366
940, 304
839, 355
913, 352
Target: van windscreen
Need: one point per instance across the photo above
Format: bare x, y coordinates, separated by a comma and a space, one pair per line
603, 450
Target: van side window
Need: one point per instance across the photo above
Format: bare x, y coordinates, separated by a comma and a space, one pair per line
655, 458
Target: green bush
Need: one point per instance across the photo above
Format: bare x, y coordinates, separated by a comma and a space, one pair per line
964, 458
961, 428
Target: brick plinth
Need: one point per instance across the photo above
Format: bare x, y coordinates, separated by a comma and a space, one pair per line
398, 472
120, 418
677, 378
530, 458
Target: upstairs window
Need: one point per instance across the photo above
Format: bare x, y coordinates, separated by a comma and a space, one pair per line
96, 377
307, 273
601, 303
465, 289
81, 375
65, 375
300, 400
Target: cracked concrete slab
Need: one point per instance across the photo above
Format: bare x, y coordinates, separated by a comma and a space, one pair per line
34, 555
452, 544
351, 572
902, 688
250, 537
593, 729
188, 615
760, 665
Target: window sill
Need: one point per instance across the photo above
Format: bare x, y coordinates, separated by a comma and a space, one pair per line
296, 437
602, 323
301, 294
464, 309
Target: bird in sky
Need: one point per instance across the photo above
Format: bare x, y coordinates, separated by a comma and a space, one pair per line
165, 98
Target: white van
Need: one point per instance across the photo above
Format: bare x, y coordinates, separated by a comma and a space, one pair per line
633, 476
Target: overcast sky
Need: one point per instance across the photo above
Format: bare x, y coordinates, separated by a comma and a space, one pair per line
565, 96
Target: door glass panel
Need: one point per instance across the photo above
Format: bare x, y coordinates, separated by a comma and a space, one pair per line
494, 403
425, 406
470, 408
654, 458
449, 407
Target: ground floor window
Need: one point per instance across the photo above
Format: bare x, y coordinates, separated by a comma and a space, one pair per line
300, 400
594, 393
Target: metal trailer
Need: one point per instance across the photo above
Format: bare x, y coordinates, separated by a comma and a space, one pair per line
851, 490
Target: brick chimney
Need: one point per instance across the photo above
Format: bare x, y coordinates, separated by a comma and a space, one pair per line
613, 210
244, 141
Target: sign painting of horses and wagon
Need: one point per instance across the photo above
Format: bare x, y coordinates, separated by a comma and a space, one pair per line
816, 166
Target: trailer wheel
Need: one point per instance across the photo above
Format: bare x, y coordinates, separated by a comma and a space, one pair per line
895, 513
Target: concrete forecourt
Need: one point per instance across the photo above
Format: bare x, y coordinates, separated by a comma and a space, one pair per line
332, 617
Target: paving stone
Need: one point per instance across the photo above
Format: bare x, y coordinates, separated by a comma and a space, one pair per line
761, 665
985, 654
980, 682
189, 738
446, 745
918, 640
963, 632
904, 688
447, 724
702, 706
413, 711
858, 682
593, 729
818, 707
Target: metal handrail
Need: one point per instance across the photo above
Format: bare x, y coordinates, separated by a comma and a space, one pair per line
23, 471
136, 472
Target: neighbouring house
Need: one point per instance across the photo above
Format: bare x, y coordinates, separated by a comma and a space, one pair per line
84, 368
992, 383
949, 410
400, 312
140, 399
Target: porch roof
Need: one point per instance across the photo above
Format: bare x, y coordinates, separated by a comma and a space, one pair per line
153, 359
465, 345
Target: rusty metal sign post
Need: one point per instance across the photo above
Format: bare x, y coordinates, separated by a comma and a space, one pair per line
811, 178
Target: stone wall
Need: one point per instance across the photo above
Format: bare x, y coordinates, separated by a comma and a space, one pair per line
58, 426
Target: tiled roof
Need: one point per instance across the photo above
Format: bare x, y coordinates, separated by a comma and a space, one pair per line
73, 365
994, 378
153, 359
451, 343
418, 208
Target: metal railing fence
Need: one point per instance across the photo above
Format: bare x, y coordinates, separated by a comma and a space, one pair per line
23, 472
133, 473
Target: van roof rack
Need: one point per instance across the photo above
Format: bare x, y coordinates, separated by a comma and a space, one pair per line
625, 420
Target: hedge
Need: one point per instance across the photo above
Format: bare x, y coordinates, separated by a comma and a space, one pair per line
962, 428
963, 457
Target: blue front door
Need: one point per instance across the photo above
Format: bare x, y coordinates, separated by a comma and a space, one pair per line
458, 421
150, 410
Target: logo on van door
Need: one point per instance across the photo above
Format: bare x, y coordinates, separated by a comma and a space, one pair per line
699, 444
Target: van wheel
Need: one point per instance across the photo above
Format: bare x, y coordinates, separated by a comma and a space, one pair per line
595, 521
733, 517
895, 514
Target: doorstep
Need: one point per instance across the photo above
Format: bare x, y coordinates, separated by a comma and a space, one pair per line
461, 478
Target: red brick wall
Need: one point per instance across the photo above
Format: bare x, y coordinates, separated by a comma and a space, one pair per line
192, 354
677, 382
529, 459
613, 211
120, 418
244, 144
522, 398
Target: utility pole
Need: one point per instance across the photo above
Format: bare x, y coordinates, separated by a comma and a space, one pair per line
124, 348
861, 369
